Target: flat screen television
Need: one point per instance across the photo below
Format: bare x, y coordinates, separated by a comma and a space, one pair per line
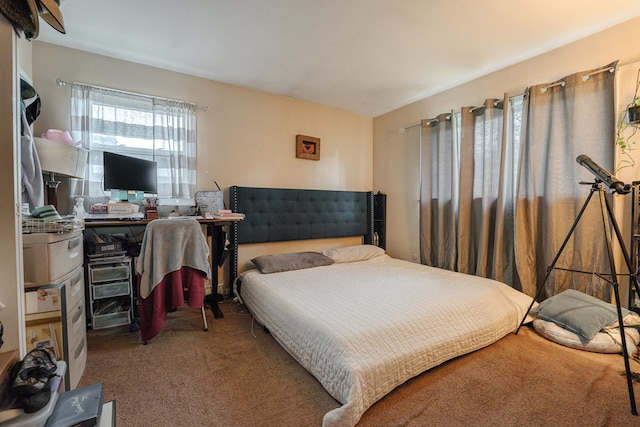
129, 173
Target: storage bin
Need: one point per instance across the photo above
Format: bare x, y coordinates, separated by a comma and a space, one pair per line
108, 290
112, 319
109, 273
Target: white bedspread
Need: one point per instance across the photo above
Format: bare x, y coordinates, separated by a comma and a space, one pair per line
363, 328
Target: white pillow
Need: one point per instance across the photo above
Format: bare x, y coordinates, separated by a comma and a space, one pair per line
353, 253
603, 342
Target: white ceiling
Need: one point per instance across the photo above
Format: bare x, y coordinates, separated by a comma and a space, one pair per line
364, 56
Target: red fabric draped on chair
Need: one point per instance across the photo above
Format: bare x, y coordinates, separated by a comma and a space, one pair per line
172, 268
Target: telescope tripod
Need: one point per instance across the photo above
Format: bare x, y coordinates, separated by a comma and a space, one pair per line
608, 219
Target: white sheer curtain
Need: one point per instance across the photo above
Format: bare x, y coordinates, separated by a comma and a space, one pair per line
139, 126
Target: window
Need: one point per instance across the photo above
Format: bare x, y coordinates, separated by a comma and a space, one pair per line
138, 126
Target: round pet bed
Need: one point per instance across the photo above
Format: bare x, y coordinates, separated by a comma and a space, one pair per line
604, 342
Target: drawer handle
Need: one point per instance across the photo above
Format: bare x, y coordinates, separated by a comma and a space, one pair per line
79, 350
77, 279
77, 315
74, 242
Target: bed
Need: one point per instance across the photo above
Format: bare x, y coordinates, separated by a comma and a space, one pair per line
362, 322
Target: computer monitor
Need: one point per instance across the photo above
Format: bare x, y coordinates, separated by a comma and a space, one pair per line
127, 173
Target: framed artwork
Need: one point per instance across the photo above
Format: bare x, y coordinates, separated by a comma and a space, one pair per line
307, 147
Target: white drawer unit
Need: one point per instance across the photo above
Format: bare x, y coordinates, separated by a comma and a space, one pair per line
55, 298
110, 290
49, 256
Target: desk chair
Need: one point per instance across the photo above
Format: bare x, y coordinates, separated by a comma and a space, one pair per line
172, 267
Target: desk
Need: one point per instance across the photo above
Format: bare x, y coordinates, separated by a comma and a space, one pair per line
214, 230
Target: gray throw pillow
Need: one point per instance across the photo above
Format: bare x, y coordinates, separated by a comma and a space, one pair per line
578, 312
292, 261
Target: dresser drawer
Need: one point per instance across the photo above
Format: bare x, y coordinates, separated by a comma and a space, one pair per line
65, 256
77, 362
110, 320
109, 273
74, 289
76, 324
108, 290
48, 257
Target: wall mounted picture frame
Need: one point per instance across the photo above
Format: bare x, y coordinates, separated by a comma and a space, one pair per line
307, 147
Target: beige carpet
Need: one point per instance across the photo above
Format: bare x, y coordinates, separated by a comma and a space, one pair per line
237, 375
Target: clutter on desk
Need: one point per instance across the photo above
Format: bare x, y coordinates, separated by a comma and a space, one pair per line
98, 208
122, 208
78, 210
228, 214
208, 202
114, 211
151, 212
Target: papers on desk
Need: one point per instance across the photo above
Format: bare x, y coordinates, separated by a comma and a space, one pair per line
228, 215
114, 217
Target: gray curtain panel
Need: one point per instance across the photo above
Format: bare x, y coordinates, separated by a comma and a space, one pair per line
438, 199
501, 187
563, 120
469, 163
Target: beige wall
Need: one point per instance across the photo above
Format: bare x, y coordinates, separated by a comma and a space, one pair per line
247, 138
395, 154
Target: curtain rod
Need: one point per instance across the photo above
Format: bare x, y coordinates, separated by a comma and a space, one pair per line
61, 82
403, 130
585, 77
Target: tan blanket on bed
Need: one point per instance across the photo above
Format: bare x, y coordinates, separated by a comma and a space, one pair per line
167, 246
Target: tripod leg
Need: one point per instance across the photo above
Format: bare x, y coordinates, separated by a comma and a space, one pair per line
632, 277
606, 211
555, 259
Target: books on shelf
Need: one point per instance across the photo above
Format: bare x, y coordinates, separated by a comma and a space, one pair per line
228, 214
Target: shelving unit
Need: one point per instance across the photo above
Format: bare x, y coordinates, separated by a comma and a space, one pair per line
110, 291
634, 298
379, 220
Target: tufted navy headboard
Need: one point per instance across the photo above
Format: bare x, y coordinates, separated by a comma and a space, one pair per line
277, 214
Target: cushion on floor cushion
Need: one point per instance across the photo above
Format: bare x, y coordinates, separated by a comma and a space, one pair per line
603, 342
578, 312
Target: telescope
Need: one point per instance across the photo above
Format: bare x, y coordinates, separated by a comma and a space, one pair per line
602, 175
